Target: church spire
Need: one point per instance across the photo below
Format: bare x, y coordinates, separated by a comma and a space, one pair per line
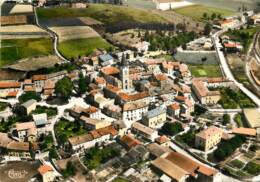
124, 62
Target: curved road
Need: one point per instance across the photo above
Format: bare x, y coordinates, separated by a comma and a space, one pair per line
228, 72
52, 34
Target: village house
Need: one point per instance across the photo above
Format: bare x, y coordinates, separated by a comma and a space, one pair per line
90, 112
29, 106
91, 139
179, 167
39, 81
129, 141
204, 95
47, 173
173, 110
14, 148
170, 4
106, 59
134, 111
155, 118
26, 131
142, 46
144, 131
28, 86
41, 121
9, 88
94, 124
163, 141
208, 138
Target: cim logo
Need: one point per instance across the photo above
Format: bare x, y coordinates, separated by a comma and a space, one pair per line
13, 174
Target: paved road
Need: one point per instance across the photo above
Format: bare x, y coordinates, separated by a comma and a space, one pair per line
52, 34
227, 71
225, 111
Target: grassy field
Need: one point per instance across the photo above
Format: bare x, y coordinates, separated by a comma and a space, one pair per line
104, 13
14, 49
196, 11
76, 47
205, 70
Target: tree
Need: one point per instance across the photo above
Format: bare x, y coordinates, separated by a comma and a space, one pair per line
213, 16
63, 88
226, 119
172, 128
207, 29
82, 84
205, 15
70, 170
28, 96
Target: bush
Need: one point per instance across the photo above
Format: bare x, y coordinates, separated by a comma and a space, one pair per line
226, 148
28, 96
252, 168
226, 119
171, 128
70, 170
63, 88
237, 163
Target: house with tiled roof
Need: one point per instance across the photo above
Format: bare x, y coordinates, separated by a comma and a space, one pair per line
129, 141
94, 137
174, 110
155, 118
144, 131
204, 95
208, 138
8, 88
47, 173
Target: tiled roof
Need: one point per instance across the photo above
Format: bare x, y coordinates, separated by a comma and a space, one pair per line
10, 85
110, 70
209, 132
44, 169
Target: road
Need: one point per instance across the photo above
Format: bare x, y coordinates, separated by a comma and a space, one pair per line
52, 34
227, 71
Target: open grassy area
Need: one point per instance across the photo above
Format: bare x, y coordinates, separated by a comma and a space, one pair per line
103, 12
74, 48
205, 70
14, 49
196, 11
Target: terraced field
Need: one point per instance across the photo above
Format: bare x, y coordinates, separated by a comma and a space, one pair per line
103, 12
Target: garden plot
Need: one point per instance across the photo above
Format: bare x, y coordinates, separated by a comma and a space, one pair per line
74, 32
22, 32
21, 9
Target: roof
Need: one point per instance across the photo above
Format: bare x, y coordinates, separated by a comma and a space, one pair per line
160, 77
143, 128
244, 131
112, 88
209, 132
49, 84
5, 84
253, 117
175, 106
4, 140
44, 169
200, 87
183, 162
155, 112
92, 121
100, 80
29, 88
130, 141
157, 150
40, 119
105, 57
173, 171
29, 126
39, 77
137, 96
162, 139
110, 70
80, 139
29, 103
20, 146
133, 106
12, 94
